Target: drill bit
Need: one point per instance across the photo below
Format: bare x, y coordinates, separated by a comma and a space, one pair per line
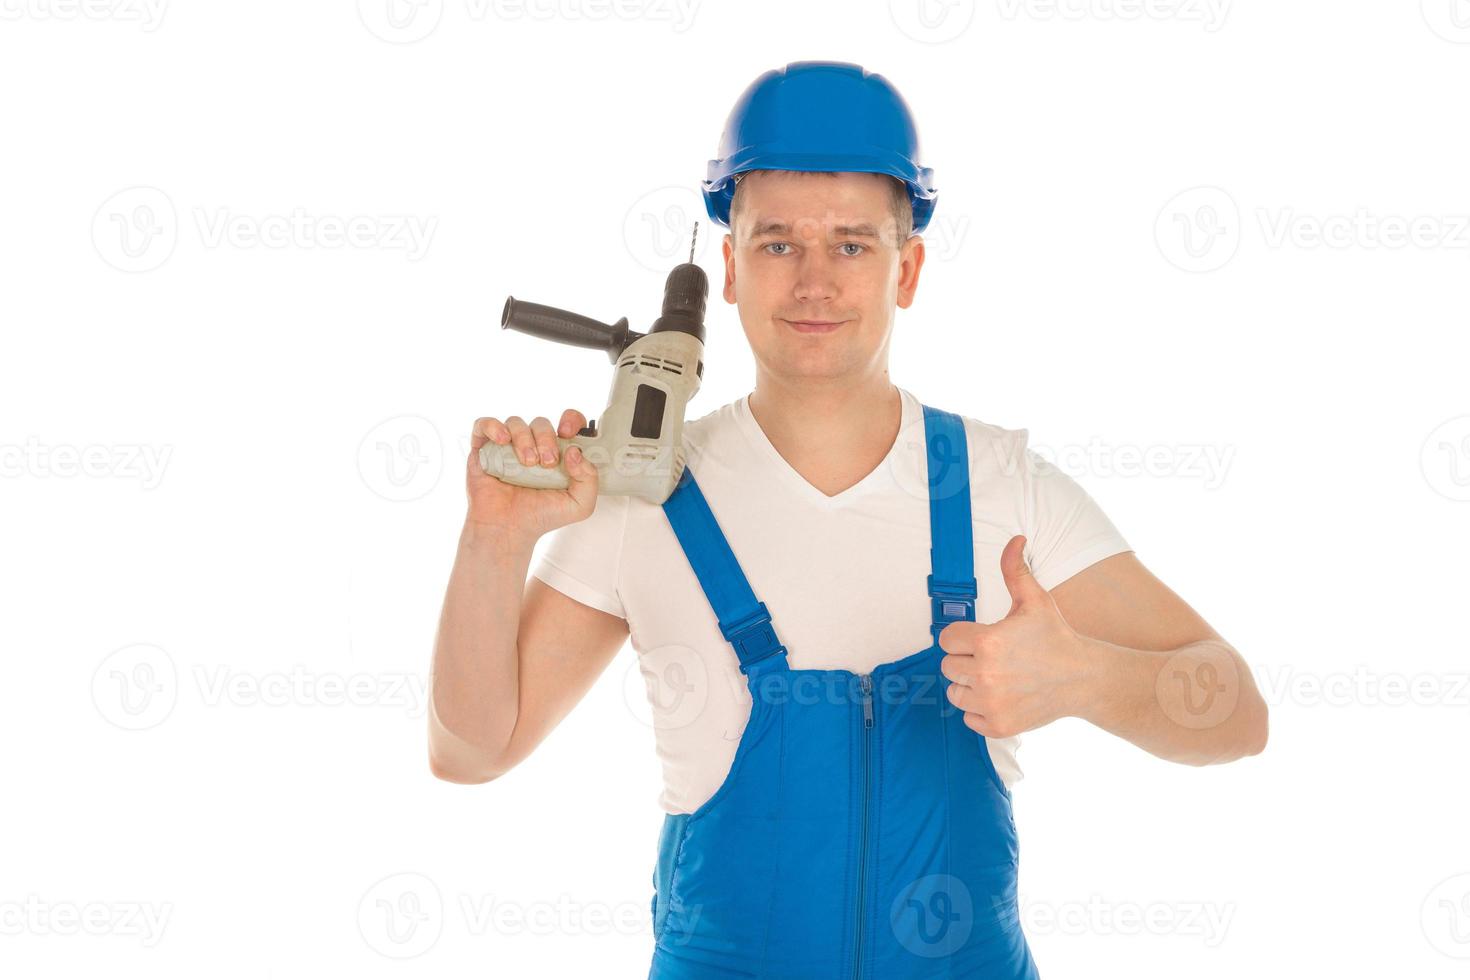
691, 241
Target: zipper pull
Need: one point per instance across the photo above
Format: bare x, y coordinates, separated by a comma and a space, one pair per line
867, 680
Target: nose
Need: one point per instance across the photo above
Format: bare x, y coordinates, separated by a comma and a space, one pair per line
815, 282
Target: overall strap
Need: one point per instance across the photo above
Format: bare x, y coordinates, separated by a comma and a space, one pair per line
952, 587
744, 620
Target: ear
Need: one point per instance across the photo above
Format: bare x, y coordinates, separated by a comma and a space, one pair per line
910, 261
729, 252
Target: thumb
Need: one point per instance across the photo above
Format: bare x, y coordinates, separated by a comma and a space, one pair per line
581, 478
1020, 583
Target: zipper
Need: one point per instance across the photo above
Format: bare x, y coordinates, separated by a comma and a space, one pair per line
867, 687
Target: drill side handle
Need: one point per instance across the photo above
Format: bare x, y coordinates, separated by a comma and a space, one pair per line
550, 323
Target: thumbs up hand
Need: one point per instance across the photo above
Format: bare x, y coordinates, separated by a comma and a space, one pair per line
1021, 672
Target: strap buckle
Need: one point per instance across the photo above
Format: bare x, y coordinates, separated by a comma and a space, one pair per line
753, 638
952, 601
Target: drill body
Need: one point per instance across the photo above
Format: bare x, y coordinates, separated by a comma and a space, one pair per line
637, 444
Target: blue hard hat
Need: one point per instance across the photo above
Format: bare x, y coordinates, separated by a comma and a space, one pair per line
820, 115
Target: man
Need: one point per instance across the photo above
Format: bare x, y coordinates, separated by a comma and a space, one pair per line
847, 611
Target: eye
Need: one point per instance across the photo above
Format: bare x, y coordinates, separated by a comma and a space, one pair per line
774, 245
855, 245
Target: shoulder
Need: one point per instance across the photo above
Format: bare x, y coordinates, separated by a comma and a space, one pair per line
996, 451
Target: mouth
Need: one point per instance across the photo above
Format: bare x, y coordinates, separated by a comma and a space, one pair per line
815, 326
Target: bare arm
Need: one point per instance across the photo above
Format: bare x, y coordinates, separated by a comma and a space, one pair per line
1114, 645
511, 658
508, 666
1162, 678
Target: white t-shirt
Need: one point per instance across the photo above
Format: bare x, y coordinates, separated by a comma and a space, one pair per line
843, 577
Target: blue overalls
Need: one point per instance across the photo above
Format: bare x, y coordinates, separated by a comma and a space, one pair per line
862, 831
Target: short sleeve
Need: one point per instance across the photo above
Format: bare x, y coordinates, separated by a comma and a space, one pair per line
582, 559
1065, 529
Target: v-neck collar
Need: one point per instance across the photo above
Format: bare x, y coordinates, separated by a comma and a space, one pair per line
877, 475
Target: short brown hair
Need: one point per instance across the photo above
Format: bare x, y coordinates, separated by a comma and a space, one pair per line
899, 203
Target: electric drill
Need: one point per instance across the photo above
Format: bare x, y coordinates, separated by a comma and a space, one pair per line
639, 448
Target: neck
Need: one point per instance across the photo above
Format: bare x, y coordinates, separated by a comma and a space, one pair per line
832, 433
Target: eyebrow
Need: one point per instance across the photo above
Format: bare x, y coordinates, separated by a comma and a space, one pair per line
765, 228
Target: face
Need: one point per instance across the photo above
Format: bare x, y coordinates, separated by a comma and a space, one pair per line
814, 248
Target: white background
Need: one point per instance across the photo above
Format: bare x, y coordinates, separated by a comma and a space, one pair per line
232, 448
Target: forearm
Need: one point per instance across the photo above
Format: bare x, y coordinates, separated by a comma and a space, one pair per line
474, 683
1196, 704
